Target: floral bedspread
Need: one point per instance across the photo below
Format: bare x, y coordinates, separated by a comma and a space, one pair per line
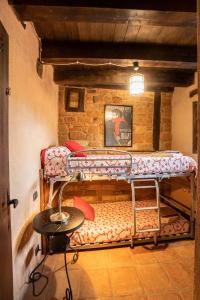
113, 222
55, 163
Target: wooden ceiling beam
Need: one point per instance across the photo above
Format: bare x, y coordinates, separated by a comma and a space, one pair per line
39, 12
157, 5
148, 87
60, 51
92, 76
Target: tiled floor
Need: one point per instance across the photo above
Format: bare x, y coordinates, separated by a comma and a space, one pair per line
124, 274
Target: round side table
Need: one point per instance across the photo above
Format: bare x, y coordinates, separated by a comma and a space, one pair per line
57, 235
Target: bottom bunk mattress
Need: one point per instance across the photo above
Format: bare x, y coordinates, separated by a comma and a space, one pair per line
113, 223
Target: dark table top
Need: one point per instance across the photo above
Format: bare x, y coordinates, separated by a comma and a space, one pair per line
43, 225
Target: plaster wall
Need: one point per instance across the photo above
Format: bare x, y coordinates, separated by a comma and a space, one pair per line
182, 119
32, 126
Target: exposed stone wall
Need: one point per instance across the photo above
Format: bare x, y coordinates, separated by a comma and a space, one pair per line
88, 127
112, 191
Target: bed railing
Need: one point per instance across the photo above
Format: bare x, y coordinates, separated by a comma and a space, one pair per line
105, 165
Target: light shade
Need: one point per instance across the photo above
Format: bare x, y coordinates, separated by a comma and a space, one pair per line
136, 84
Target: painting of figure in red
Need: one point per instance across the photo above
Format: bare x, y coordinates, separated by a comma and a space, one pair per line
118, 126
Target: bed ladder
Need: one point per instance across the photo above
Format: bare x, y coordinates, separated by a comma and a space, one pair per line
153, 183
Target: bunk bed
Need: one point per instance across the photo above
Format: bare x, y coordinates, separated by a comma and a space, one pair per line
126, 222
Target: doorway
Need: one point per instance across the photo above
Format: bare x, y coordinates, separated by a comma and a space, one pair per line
6, 282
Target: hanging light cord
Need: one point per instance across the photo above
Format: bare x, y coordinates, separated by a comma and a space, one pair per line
77, 62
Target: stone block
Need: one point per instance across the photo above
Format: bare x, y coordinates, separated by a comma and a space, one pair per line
138, 138
62, 127
91, 91
76, 135
69, 119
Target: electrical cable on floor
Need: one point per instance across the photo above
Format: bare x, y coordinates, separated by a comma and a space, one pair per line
75, 258
69, 295
35, 276
72, 261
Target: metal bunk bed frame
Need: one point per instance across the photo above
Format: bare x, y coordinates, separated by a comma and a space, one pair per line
89, 173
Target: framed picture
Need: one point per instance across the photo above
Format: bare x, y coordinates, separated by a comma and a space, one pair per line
118, 126
74, 99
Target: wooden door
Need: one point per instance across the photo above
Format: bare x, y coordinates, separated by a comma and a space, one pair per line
6, 282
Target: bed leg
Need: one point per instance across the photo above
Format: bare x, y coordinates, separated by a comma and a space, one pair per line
133, 229
155, 239
132, 243
193, 192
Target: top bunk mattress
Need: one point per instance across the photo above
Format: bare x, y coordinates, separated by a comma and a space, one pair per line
55, 163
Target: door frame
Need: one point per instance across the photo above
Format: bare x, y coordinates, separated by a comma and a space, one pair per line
197, 227
6, 282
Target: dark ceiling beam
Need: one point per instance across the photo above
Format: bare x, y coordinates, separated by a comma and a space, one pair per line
157, 5
148, 87
95, 77
60, 51
96, 15
41, 13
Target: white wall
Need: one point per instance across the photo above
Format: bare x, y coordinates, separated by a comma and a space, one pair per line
182, 119
33, 115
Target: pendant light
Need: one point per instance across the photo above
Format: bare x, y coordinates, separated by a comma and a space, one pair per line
136, 81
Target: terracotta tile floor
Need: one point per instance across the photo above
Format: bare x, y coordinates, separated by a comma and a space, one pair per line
156, 273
